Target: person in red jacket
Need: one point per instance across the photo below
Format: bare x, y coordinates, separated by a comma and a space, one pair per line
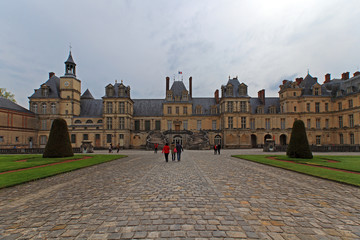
166, 151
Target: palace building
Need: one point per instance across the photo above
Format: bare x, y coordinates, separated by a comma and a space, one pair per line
230, 117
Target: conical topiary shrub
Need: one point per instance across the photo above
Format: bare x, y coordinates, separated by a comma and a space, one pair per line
58, 144
299, 145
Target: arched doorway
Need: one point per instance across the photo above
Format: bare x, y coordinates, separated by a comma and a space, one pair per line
253, 141
178, 139
283, 139
267, 136
217, 140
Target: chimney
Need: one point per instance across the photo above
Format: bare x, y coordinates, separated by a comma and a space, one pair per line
261, 96
327, 78
345, 76
315, 78
299, 80
190, 86
357, 73
284, 81
217, 96
51, 74
167, 83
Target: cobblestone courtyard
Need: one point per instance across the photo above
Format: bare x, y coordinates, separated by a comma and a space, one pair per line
204, 196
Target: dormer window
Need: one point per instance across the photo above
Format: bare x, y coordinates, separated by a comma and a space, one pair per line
184, 96
121, 91
169, 96
229, 90
110, 92
316, 91
259, 110
272, 109
198, 109
243, 90
44, 91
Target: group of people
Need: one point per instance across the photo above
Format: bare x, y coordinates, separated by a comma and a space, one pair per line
111, 148
217, 149
175, 150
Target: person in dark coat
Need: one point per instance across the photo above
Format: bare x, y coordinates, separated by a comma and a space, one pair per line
156, 147
179, 148
218, 148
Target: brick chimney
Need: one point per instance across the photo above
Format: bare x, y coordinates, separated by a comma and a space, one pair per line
299, 80
190, 86
345, 76
327, 78
261, 96
51, 74
217, 100
357, 73
167, 84
284, 81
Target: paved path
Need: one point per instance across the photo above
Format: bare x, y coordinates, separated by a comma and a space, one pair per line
204, 196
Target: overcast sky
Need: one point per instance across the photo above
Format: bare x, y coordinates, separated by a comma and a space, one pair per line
141, 42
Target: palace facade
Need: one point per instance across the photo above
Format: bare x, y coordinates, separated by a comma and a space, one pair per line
231, 117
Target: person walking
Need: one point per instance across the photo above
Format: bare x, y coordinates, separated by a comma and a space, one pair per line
117, 148
110, 148
173, 151
179, 148
156, 147
218, 148
215, 149
166, 151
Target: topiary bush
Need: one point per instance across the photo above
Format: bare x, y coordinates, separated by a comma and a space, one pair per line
299, 145
58, 144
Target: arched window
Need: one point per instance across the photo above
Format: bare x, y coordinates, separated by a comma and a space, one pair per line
35, 108
43, 106
77, 121
89, 121
53, 108
100, 121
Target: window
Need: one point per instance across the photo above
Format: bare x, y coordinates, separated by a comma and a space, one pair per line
267, 123
318, 139
229, 91
121, 107
316, 91
252, 123
294, 94
326, 107
177, 110
327, 123
308, 107
340, 106
53, 108
318, 123
198, 124
1, 138
77, 121
121, 136
351, 120
121, 123
35, 108
185, 110
99, 121
108, 138
43, 125
109, 107
230, 106
352, 138
308, 123
85, 136
185, 125
73, 138
350, 103
295, 109
66, 112
282, 123
147, 125
243, 122
242, 106
169, 96
89, 121
43, 108
108, 123
137, 125
230, 122
213, 124
43, 139
259, 110
169, 124
340, 121
157, 125
122, 91
184, 96
169, 110
317, 107
198, 110
341, 138
16, 139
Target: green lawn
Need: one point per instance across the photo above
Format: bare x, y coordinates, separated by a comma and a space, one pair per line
351, 163
8, 162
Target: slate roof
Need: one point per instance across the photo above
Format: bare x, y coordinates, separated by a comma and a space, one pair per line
91, 108
235, 83
148, 107
54, 88
178, 87
87, 95
270, 101
205, 103
7, 104
116, 91
70, 59
307, 84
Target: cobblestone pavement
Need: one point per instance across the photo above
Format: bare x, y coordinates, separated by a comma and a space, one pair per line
204, 196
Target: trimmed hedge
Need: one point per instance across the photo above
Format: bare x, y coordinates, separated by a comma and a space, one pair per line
58, 144
299, 145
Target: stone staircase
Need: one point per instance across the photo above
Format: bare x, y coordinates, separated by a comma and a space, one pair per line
198, 141
155, 137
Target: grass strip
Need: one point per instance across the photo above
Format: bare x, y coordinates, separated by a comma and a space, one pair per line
14, 178
343, 177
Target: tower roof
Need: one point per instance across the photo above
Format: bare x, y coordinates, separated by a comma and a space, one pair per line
87, 95
178, 87
70, 59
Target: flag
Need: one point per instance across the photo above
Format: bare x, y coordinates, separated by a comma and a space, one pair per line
180, 72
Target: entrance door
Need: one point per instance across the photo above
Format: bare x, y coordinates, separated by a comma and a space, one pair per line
253, 141
97, 140
178, 139
217, 140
